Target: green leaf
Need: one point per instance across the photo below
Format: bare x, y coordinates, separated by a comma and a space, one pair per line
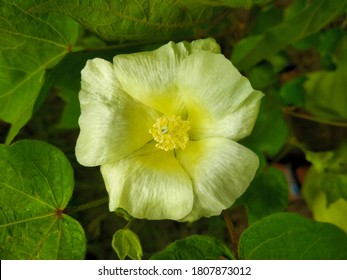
294, 8
36, 183
314, 191
330, 39
72, 111
262, 76
68, 86
328, 173
196, 247
30, 43
325, 90
326, 96
293, 92
270, 131
320, 160
126, 243
267, 194
324, 41
265, 18
233, 3
278, 61
132, 20
333, 184
306, 22
288, 236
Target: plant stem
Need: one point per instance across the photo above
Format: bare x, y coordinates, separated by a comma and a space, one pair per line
86, 206
128, 224
232, 234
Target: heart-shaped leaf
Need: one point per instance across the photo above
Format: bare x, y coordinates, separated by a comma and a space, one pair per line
126, 243
196, 247
132, 20
288, 236
30, 44
36, 183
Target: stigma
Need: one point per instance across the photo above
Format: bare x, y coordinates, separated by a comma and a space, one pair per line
170, 133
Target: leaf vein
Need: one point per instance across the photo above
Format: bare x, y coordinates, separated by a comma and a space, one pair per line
26, 220
267, 241
38, 248
28, 195
33, 38
42, 67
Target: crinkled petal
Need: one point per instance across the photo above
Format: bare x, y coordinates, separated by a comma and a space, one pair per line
221, 170
112, 123
150, 76
219, 100
149, 184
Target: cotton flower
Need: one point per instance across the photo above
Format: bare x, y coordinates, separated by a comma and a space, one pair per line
163, 126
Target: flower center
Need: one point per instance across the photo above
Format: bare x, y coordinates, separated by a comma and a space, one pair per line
170, 133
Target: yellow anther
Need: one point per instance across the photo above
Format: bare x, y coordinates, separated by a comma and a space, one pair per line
170, 133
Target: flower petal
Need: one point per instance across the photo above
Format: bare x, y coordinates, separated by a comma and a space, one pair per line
150, 76
221, 170
112, 123
208, 44
219, 100
149, 184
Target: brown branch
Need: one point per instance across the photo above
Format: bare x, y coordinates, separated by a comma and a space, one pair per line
232, 234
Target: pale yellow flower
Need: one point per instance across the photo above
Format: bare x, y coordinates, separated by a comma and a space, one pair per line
163, 125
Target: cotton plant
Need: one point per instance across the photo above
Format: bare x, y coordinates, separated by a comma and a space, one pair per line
164, 125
